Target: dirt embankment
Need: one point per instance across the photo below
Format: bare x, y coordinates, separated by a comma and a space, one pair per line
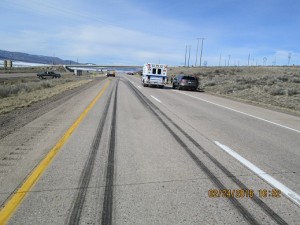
277, 88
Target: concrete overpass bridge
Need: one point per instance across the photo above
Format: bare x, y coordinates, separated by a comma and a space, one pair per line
85, 67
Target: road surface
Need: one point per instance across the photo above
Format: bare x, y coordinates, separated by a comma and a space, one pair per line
120, 153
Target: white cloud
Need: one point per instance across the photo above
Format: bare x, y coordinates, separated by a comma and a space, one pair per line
116, 42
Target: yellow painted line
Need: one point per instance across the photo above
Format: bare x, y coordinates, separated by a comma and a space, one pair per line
12, 204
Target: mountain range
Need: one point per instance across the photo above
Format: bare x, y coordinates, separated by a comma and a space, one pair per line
25, 57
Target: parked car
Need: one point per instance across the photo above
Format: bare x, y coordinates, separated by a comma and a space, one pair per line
46, 74
185, 82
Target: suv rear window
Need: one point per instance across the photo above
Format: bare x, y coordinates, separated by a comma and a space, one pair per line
188, 78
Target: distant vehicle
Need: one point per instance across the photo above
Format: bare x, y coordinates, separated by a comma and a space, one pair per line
154, 75
185, 82
46, 74
129, 73
111, 73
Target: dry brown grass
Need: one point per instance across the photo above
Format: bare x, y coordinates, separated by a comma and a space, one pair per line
18, 93
273, 87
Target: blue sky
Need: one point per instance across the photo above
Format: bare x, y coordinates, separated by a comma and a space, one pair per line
137, 31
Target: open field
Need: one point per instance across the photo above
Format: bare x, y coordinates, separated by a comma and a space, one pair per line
22, 92
277, 88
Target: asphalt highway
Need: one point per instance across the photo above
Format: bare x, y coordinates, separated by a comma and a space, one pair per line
120, 153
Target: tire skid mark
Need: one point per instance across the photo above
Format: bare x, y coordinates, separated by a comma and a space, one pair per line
11, 158
244, 212
78, 203
3, 164
108, 194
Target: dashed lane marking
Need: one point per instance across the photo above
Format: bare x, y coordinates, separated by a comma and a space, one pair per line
275, 183
155, 98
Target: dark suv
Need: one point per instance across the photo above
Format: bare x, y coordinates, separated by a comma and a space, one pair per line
185, 82
45, 74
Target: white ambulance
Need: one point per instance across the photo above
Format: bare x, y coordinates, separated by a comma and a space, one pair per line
154, 75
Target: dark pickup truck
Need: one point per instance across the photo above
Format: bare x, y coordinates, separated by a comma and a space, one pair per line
46, 74
111, 73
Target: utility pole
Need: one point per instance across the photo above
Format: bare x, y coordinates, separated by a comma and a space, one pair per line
248, 59
201, 50
189, 56
228, 59
220, 59
197, 52
185, 56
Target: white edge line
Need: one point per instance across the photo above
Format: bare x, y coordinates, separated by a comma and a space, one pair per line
139, 87
155, 98
239, 112
288, 192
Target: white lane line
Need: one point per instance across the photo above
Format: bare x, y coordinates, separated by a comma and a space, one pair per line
155, 98
275, 183
133, 83
225, 107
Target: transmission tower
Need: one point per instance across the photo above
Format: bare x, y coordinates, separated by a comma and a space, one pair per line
289, 57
